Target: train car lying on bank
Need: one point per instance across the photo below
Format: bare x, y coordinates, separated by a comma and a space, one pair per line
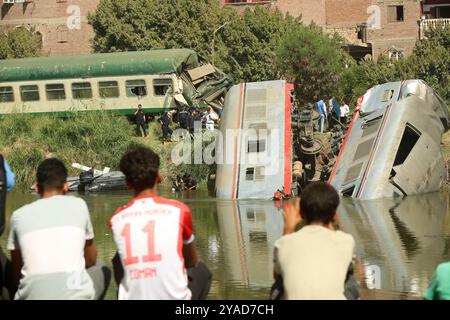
392, 147
157, 79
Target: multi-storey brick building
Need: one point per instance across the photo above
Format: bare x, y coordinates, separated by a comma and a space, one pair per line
62, 23
385, 26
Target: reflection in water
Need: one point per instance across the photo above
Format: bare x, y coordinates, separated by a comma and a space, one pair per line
400, 242
404, 239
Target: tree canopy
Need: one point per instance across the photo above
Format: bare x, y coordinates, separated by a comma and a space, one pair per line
20, 43
313, 61
244, 49
264, 44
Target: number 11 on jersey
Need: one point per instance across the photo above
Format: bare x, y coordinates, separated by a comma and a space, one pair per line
151, 256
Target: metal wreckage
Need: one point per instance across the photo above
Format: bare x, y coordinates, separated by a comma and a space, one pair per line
391, 147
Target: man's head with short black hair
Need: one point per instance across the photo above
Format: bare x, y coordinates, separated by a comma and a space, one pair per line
51, 175
318, 204
140, 166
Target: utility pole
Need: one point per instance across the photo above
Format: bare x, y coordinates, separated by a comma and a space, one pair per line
214, 41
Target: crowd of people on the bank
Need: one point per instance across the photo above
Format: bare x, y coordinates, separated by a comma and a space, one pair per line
332, 113
53, 253
186, 119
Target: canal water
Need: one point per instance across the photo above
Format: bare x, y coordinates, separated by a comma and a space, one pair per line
399, 242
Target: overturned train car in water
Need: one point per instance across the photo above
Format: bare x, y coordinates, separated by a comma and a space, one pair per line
392, 147
257, 141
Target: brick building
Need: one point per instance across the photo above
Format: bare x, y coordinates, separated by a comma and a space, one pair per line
388, 27
61, 23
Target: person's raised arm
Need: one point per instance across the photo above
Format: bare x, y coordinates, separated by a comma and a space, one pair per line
292, 217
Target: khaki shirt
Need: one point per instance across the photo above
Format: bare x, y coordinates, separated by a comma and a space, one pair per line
313, 263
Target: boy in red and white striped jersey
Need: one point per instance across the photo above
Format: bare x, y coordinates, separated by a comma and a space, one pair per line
154, 237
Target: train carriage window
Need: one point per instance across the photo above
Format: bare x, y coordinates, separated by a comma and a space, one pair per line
81, 90
6, 94
136, 88
29, 93
55, 91
257, 144
259, 173
161, 86
250, 174
108, 89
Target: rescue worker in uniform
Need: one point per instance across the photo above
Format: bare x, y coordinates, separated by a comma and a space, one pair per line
140, 121
183, 119
165, 122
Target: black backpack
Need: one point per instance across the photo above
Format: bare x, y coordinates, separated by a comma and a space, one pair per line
2, 194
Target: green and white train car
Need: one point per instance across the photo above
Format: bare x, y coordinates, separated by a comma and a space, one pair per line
118, 82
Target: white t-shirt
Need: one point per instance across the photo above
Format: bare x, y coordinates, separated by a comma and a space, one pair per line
313, 263
51, 234
149, 234
345, 110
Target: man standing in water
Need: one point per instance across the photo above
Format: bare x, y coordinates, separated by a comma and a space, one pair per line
140, 121
155, 239
51, 240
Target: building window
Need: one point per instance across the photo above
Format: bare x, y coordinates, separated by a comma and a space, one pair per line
81, 90
55, 92
108, 89
136, 88
6, 94
29, 93
161, 86
62, 34
394, 54
395, 13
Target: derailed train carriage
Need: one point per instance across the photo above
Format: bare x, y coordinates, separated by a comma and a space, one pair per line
117, 82
392, 147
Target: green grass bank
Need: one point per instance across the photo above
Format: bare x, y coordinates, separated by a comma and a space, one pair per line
92, 139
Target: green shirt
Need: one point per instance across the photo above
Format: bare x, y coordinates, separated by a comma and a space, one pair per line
439, 288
